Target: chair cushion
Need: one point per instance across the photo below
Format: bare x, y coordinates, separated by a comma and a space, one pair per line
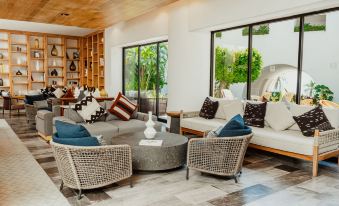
312, 120
122, 107
83, 141
133, 125
67, 130
255, 114
278, 116
209, 108
29, 99
202, 124
235, 127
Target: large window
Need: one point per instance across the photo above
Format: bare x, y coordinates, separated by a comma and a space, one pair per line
145, 76
292, 59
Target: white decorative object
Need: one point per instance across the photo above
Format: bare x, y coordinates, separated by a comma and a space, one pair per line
150, 131
147, 142
76, 92
96, 93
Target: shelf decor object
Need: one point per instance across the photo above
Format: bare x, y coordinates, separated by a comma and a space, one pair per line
36, 43
72, 67
54, 51
2, 71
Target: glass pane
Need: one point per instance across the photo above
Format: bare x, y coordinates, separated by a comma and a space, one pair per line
131, 73
163, 66
275, 61
148, 78
321, 60
230, 63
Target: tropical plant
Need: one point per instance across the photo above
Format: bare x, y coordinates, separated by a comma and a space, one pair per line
231, 67
322, 92
257, 30
311, 27
147, 67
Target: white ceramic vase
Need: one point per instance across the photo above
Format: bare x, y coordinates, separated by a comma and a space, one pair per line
150, 131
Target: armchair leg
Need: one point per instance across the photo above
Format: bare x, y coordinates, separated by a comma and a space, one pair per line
61, 185
315, 161
130, 182
79, 194
187, 173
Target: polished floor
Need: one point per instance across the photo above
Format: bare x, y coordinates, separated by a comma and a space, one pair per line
267, 180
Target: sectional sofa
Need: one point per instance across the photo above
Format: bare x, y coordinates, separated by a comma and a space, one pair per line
289, 142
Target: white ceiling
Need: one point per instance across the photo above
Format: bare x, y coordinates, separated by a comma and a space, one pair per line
44, 28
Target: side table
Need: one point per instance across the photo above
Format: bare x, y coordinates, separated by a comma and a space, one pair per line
175, 121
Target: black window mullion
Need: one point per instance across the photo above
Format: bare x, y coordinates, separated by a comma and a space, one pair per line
249, 63
139, 98
123, 71
157, 82
212, 65
300, 59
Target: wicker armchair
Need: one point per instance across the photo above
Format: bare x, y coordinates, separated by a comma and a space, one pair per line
217, 155
92, 167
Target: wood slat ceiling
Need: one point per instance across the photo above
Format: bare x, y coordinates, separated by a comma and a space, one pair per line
95, 14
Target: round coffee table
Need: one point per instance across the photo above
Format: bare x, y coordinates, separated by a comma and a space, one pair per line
171, 154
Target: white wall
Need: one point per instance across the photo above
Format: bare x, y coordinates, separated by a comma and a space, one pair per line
187, 25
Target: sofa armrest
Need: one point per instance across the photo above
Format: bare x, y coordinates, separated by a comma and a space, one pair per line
188, 114
144, 117
327, 139
56, 109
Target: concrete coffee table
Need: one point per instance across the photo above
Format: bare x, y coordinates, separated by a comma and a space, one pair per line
171, 154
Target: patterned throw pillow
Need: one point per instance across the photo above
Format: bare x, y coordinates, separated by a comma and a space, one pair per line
312, 120
209, 108
255, 114
122, 107
89, 109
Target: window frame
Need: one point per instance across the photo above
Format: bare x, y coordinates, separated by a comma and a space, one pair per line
301, 18
157, 43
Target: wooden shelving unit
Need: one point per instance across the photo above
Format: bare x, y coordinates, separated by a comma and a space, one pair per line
93, 69
30, 53
73, 46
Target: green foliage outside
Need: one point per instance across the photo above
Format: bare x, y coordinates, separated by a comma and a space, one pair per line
257, 30
310, 27
148, 68
322, 92
231, 67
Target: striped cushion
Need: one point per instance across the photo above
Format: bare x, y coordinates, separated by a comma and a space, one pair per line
122, 107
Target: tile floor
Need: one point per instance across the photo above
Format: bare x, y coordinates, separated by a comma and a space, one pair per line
267, 179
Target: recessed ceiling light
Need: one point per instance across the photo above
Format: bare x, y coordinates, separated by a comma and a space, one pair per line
64, 14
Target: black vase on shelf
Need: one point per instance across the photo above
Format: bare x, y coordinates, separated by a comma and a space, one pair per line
54, 51
1, 82
54, 72
18, 72
72, 66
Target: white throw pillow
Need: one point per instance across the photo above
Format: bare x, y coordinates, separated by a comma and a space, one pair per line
233, 108
89, 109
278, 116
58, 93
220, 114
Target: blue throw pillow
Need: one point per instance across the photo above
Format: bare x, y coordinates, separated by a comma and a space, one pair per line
82, 141
235, 127
67, 130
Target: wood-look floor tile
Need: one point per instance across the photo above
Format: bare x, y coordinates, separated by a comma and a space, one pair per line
287, 168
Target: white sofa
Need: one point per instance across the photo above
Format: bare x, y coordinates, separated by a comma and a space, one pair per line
289, 141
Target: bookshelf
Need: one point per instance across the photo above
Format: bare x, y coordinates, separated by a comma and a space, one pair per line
93, 69
73, 61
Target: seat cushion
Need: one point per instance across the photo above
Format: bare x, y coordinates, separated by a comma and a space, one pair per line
102, 128
133, 125
288, 140
202, 124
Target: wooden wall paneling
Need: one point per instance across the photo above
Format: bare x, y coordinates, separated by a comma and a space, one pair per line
45, 61
64, 70
5, 60
29, 69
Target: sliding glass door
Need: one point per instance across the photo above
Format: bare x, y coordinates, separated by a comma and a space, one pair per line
145, 76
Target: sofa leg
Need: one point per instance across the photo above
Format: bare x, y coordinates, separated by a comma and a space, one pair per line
187, 173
